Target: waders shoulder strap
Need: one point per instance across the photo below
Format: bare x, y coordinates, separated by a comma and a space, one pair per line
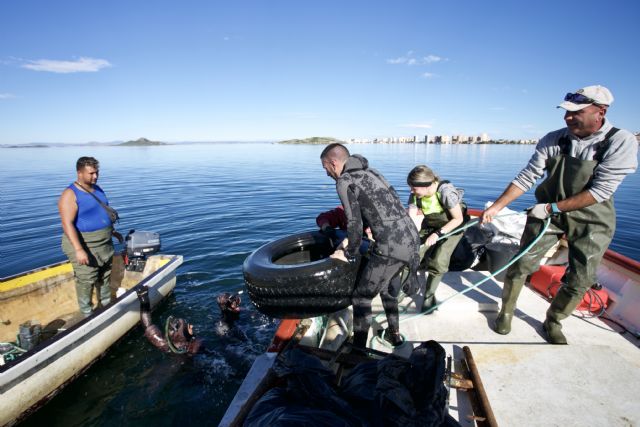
604, 145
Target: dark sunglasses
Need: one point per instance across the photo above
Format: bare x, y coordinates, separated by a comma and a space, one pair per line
420, 184
578, 98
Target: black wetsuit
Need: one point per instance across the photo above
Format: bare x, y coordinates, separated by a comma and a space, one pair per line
366, 195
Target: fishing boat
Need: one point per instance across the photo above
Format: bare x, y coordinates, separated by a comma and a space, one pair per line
38, 309
516, 379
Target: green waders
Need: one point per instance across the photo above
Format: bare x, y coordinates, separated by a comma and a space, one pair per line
439, 255
588, 230
99, 247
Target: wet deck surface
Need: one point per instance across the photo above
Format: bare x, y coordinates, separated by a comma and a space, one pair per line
595, 380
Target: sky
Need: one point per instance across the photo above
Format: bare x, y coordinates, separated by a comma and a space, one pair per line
102, 71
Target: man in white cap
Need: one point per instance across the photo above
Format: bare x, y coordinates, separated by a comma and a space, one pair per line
584, 163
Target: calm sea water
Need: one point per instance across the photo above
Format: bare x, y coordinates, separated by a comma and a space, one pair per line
214, 204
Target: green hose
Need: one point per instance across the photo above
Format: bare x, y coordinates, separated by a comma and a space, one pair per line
475, 285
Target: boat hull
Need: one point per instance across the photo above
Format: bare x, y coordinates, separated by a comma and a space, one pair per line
34, 378
601, 364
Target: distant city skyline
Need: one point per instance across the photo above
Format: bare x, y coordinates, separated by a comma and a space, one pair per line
76, 71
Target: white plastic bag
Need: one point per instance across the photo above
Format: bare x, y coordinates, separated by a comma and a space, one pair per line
507, 225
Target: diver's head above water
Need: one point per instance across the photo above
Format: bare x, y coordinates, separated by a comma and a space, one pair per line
229, 305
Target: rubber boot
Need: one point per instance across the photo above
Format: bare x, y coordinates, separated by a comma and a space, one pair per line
553, 331
510, 292
561, 307
360, 338
104, 285
430, 293
392, 336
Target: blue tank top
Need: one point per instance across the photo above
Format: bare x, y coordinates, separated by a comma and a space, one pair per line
91, 215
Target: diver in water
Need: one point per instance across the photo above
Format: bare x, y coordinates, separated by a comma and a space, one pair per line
178, 334
229, 305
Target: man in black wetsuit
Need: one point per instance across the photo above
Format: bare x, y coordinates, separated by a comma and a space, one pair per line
366, 195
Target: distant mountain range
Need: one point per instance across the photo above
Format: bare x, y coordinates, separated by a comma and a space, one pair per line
140, 142
137, 142
316, 140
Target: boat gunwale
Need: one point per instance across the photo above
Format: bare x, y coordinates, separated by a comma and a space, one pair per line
37, 349
35, 270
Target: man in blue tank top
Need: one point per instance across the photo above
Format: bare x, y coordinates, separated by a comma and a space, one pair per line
87, 235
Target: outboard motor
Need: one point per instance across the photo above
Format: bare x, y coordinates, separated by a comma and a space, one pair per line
139, 245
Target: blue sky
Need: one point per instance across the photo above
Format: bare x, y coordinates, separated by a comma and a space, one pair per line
80, 71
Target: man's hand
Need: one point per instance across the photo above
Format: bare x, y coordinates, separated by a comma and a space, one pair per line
117, 236
81, 257
540, 211
339, 254
488, 214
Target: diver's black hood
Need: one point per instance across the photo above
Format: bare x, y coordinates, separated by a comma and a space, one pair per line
356, 162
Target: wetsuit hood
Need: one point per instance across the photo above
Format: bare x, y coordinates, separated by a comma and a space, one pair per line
356, 162
229, 306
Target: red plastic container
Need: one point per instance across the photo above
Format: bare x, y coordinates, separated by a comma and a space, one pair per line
548, 279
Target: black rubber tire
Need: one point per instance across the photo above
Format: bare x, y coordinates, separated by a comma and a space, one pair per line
294, 278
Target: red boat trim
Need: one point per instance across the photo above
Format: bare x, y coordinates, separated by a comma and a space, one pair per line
283, 334
623, 261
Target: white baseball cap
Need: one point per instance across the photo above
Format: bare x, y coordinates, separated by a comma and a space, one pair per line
582, 98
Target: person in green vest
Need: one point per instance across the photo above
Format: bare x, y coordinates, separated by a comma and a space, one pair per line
439, 209
584, 164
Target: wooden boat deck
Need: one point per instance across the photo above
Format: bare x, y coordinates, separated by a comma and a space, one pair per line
595, 380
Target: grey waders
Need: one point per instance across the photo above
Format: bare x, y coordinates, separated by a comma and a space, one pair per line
588, 231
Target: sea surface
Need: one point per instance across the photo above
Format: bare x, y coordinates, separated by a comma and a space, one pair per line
214, 204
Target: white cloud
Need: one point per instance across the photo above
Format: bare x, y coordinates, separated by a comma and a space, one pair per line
428, 75
417, 125
6, 96
409, 59
431, 59
399, 60
82, 65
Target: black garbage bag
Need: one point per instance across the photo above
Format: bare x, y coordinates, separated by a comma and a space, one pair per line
398, 392
278, 408
387, 392
470, 248
307, 399
359, 389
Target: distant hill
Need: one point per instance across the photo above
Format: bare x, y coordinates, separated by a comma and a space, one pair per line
143, 141
33, 145
316, 140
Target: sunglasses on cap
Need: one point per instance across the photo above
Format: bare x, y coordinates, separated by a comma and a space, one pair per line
578, 98
420, 183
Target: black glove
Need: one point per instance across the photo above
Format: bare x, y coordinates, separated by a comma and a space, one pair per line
328, 231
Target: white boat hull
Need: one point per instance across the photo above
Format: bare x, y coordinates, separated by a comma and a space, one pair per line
38, 376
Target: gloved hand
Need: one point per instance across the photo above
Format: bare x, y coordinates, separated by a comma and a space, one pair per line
328, 231
539, 211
